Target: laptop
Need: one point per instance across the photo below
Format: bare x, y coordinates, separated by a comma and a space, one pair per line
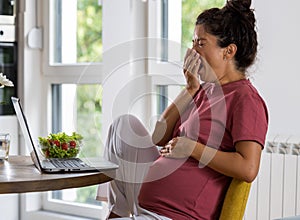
58, 165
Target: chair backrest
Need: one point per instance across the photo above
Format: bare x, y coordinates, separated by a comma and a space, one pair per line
235, 200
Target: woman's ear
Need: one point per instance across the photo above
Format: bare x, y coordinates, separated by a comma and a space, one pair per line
229, 51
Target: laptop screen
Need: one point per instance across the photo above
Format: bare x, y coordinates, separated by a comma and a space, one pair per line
24, 125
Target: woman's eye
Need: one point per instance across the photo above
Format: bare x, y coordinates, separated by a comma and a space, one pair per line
198, 43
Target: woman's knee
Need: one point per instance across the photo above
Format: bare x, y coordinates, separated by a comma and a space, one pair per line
132, 122
130, 130
129, 139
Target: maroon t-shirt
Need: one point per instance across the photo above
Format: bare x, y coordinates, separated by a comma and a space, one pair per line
217, 117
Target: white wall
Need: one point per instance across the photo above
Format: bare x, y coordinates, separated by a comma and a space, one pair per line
278, 74
124, 58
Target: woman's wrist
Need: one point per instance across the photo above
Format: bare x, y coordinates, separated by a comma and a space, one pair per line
197, 151
192, 91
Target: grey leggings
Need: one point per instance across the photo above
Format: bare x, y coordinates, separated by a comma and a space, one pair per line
130, 146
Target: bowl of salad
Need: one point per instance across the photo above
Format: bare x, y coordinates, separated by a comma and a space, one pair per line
60, 145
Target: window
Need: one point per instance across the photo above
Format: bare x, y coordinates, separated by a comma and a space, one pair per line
81, 111
73, 66
166, 94
77, 31
78, 108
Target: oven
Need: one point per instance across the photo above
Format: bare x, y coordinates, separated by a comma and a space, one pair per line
8, 54
7, 12
8, 66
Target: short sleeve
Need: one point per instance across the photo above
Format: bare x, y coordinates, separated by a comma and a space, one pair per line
250, 120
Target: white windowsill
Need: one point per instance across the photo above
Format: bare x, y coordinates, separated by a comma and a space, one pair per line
46, 215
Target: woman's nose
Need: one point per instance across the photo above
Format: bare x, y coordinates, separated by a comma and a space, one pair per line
193, 45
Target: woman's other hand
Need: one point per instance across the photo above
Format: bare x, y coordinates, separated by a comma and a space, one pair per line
191, 67
179, 147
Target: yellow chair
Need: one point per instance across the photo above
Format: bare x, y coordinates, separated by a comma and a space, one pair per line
235, 200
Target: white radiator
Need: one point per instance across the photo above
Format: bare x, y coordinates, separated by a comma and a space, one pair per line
276, 191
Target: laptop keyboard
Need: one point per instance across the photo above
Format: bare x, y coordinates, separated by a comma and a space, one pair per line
68, 163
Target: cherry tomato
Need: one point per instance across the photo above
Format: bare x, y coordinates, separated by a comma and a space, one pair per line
57, 143
72, 144
64, 146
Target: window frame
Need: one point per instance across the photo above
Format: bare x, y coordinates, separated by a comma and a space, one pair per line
70, 208
169, 64
169, 68
66, 71
60, 73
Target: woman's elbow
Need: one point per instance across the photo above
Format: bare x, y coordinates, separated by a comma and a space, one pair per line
249, 179
158, 140
159, 136
250, 175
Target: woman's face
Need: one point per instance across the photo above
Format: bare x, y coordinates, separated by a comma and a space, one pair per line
212, 55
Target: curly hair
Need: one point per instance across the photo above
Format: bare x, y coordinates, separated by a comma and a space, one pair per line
234, 23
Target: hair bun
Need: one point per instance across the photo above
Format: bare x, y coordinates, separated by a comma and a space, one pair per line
241, 8
239, 5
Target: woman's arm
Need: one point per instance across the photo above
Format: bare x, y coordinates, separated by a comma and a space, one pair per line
164, 126
242, 164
